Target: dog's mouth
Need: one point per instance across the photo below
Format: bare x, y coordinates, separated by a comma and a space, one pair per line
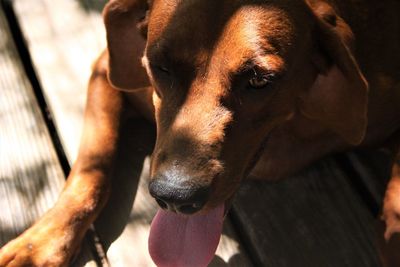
178, 239
181, 240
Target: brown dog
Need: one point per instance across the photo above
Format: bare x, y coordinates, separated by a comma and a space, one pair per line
234, 87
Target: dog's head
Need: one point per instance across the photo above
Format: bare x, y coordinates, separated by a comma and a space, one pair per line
225, 74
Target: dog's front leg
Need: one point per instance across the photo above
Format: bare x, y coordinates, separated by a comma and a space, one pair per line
55, 238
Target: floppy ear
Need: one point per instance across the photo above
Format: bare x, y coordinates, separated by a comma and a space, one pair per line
126, 26
338, 97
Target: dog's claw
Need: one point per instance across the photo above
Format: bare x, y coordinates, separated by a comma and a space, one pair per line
392, 220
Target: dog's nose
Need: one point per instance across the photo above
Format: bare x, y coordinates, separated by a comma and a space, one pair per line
178, 198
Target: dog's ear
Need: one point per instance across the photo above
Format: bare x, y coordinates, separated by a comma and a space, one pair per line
338, 97
126, 27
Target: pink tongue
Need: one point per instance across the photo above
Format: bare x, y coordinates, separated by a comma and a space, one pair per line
185, 241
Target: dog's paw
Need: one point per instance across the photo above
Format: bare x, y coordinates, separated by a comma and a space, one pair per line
46, 243
392, 220
391, 215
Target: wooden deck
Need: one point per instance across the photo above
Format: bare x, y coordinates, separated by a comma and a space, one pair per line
30, 174
324, 216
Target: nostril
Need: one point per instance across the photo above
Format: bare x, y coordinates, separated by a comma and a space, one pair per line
190, 208
162, 204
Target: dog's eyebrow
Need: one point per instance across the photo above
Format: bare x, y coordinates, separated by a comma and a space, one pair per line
267, 63
247, 66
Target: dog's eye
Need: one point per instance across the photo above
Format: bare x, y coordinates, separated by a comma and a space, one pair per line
160, 69
259, 81
164, 69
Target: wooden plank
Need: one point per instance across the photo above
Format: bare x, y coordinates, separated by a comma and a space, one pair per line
30, 174
315, 218
373, 169
64, 38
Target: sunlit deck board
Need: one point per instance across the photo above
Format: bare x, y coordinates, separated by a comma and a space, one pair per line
30, 174
64, 38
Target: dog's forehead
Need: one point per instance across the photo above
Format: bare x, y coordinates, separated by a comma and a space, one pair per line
194, 28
